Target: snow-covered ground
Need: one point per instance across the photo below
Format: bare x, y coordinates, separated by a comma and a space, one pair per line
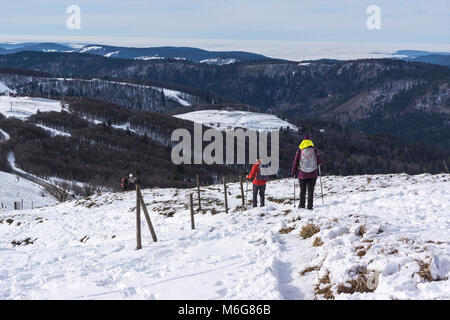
391, 228
14, 188
224, 119
5, 135
12, 163
4, 88
54, 132
23, 107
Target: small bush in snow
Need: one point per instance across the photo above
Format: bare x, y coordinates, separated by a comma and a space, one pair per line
424, 271
360, 231
352, 286
309, 230
286, 230
317, 242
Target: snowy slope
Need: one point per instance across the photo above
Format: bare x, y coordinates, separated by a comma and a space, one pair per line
178, 96
223, 120
85, 249
23, 107
5, 136
4, 88
14, 188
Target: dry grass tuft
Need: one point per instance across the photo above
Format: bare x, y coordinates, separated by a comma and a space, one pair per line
325, 291
358, 285
317, 242
240, 208
275, 200
309, 269
424, 271
361, 231
406, 240
286, 230
361, 253
392, 251
24, 242
309, 230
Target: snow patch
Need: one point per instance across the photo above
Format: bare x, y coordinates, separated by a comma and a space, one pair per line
112, 54
24, 107
14, 188
90, 48
227, 120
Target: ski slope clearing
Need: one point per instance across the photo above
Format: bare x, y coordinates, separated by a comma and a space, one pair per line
4, 88
14, 188
54, 132
4, 135
224, 120
392, 230
24, 107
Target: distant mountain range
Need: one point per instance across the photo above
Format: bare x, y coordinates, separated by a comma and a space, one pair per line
441, 58
152, 53
192, 54
408, 100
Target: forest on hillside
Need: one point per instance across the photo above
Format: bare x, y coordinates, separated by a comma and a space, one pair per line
376, 96
100, 154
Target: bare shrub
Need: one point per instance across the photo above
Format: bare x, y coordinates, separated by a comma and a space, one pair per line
317, 242
309, 230
286, 230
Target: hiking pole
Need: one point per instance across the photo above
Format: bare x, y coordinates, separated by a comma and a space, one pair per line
246, 193
294, 191
321, 188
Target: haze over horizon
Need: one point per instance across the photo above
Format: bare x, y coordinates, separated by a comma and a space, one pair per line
280, 29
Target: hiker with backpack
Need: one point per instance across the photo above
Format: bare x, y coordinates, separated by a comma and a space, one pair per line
259, 182
305, 167
124, 183
131, 182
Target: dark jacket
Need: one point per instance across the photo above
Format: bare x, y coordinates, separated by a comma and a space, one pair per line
296, 172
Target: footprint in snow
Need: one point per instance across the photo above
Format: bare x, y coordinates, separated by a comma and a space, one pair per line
222, 292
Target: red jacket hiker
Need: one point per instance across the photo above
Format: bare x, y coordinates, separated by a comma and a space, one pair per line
254, 174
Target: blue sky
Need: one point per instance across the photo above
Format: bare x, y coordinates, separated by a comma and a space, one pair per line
402, 21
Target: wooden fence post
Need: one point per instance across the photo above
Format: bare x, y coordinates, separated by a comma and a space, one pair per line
198, 193
147, 217
191, 200
225, 194
138, 219
242, 190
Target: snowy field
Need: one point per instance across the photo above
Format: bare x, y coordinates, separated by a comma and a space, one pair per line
387, 232
14, 188
223, 120
23, 107
4, 88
